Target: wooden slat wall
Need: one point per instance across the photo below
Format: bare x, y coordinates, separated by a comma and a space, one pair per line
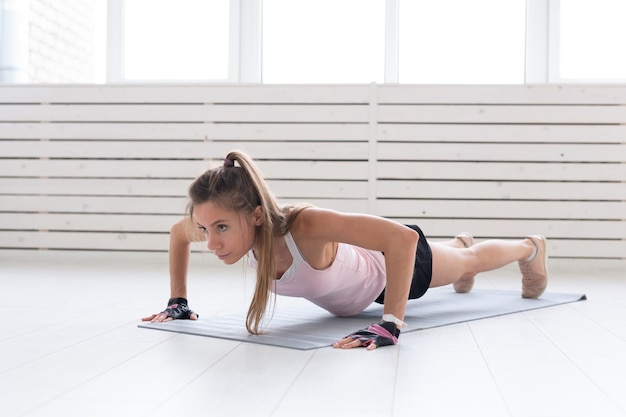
507, 161
107, 167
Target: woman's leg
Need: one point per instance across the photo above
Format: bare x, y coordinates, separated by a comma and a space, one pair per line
452, 263
463, 240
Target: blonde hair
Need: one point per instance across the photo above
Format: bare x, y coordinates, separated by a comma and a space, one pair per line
241, 189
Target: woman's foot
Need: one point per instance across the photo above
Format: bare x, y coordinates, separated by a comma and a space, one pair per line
534, 270
464, 284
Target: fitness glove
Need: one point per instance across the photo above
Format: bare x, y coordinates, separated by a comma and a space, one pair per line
178, 309
382, 334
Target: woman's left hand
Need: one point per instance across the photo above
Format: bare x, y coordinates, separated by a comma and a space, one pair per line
382, 334
349, 343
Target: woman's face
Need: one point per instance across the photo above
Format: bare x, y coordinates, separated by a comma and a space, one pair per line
230, 235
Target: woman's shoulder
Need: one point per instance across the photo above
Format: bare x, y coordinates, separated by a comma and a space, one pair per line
294, 215
309, 217
317, 223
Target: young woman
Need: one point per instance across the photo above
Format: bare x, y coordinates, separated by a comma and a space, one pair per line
341, 262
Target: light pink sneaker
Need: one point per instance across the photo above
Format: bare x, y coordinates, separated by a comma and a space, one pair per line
464, 285
535, 272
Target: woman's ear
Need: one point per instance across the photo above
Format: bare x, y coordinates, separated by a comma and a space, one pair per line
258, 216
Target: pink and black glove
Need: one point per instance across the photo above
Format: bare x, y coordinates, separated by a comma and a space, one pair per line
382, 334
178, 309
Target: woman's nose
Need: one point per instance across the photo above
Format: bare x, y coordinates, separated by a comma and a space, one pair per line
212, 243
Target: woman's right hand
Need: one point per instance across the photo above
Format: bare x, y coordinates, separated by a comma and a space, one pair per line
177, 309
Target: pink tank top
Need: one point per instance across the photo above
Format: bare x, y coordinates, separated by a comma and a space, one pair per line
353, 281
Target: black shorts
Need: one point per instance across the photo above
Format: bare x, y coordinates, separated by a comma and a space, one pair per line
422, 271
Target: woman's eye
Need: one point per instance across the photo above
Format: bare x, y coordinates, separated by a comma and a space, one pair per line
202, 228
222, 228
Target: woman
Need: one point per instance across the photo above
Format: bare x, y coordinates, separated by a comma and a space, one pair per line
341, 262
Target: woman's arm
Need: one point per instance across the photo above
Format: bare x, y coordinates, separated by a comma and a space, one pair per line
316, 227
181, 235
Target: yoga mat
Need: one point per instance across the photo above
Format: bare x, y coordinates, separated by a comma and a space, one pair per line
310, 327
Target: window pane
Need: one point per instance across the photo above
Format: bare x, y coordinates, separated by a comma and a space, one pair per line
182, 40
323, 41
462, 42
592, 39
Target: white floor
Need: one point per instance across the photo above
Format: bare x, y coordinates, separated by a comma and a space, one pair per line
70, 346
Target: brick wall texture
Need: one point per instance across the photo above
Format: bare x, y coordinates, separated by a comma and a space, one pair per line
61, 41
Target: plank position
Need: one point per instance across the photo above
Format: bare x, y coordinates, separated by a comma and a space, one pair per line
342, 262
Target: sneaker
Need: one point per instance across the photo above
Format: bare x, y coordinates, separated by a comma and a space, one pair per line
466, 239
534, 272
466, 284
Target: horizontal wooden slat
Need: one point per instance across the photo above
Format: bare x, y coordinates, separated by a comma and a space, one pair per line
186, 113
502, 94
182, 150
135, 204
185, 131
104, 149
95, 186
172, 187
503, 209
535, 152
600, 249
503, 228
604, 249
289, 150
386, 93
89, 222
433, 228
319, 170
185, 93
325, 170
306, 151
501, 190
84, 241
548, 114
501, 133
103, 169
501, 171
93, 204
298, 190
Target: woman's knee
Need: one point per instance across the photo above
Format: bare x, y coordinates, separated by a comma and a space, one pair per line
451, 264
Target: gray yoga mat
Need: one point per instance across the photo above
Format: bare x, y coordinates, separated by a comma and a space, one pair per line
310, 327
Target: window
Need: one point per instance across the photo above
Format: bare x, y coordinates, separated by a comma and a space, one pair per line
182, 40
315, 41
591, 39
323, 41
462, 42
